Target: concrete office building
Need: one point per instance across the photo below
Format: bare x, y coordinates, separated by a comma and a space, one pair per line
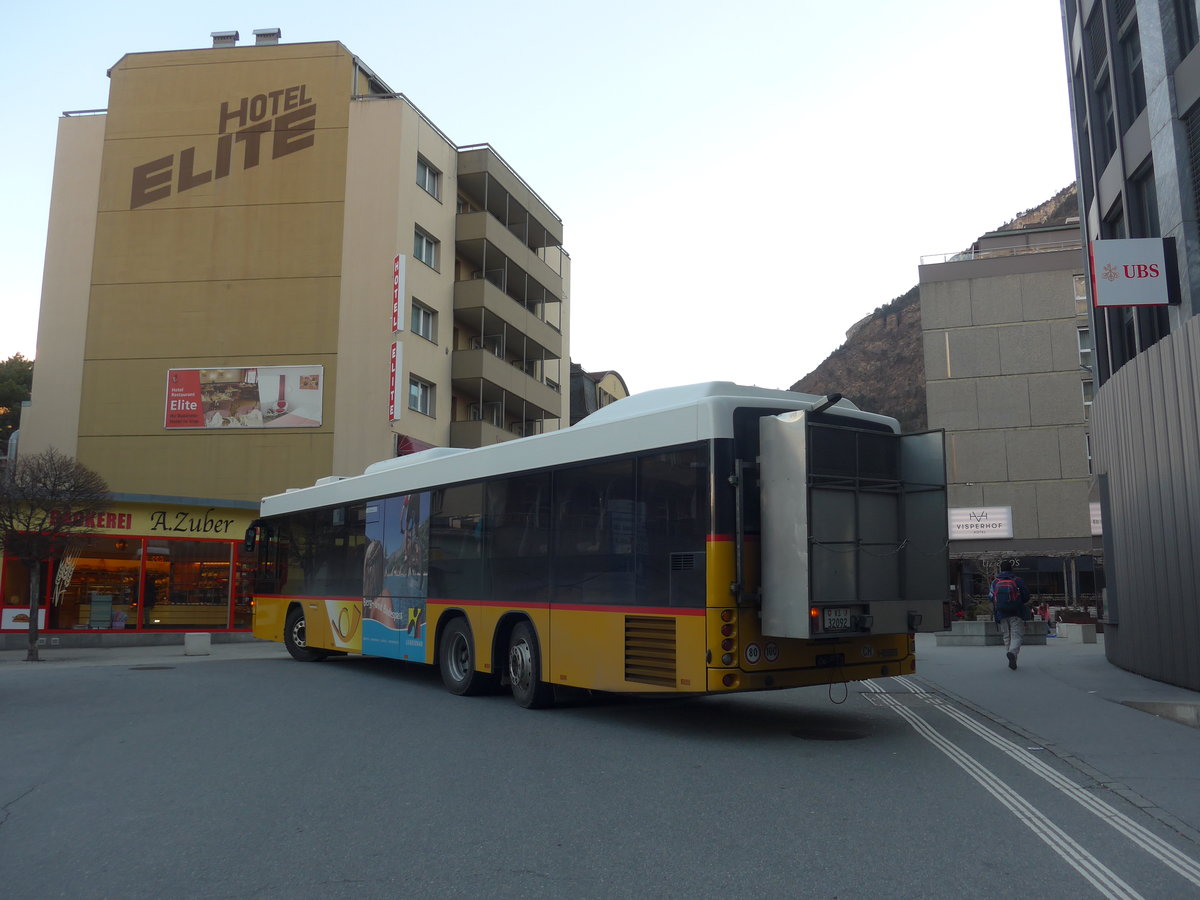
265, 267
1134, 71
1006, 340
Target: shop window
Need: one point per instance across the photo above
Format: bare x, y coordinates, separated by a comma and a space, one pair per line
94, 585
187, 584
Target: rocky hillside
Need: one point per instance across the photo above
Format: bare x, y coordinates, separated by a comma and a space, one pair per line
881, 366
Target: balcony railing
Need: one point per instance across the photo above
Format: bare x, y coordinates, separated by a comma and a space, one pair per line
999, 252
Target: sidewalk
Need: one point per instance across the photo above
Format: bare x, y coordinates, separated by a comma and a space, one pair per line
161, 654
1069, 699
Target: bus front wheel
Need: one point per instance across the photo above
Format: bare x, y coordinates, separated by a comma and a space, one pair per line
456, 657
295, 638
525, 669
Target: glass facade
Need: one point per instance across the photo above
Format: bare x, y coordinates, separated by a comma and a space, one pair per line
176, 575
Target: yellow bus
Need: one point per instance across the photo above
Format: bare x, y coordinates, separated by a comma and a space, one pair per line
704, 539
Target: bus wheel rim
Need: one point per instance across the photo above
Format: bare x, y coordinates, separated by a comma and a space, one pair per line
460, 657
520, 664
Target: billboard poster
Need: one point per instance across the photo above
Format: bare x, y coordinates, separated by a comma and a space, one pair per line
396, 577
254, 397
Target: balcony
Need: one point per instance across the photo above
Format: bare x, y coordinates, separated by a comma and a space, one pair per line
485, 378
477, 433
492, 185
487, 309
482, 238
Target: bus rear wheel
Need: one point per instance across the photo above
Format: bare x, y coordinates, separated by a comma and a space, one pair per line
456, 658
525, 669
295, 638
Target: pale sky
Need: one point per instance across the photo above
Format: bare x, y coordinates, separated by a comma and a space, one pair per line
738, 182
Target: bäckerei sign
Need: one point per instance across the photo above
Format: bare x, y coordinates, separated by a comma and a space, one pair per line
1134, 272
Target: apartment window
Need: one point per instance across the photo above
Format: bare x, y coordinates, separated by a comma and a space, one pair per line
1185, 21
420, 396
1191, 124
1085, 348
1143, 205
1081, 296
1106, 126
425, 248
429, 179
1088, 391
1135, 81
1113, 225
423, 321
1093, 38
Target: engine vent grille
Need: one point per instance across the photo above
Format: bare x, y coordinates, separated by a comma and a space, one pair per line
650, 650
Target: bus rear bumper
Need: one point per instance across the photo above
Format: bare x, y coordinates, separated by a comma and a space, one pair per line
730, 680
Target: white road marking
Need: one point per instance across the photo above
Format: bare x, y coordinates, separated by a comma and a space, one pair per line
1099, 875
1139, 834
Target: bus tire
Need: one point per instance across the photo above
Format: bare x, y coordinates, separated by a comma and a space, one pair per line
456, 659
525, 669
295, 635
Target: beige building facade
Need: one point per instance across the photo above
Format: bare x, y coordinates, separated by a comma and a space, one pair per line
1007, 353
265, 267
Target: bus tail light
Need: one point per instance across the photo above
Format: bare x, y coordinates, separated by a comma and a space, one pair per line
727, 644
730, 680
727, 630
727, 660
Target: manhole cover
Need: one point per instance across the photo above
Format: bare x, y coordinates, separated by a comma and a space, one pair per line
148, 668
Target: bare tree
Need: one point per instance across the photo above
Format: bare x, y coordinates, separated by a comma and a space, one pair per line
48, 504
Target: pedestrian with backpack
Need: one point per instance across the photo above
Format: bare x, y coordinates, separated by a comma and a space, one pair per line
1009, 595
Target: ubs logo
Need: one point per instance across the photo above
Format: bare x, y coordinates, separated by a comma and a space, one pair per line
287, 115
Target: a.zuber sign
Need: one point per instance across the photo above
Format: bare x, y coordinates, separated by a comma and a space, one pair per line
288, 115
1134, 272
980, 522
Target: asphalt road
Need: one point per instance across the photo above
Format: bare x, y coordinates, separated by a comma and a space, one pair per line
248, 775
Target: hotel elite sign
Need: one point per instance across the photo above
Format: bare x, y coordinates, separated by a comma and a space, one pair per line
249, 131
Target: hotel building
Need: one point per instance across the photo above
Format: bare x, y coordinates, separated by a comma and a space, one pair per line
263, 267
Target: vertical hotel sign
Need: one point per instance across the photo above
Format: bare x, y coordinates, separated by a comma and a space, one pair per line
392, 383
396, 294
1134, 272
397, 327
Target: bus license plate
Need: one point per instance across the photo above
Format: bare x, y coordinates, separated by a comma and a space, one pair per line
836, 619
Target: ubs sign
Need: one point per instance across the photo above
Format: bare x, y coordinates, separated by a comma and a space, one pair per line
1134, 272
278, 123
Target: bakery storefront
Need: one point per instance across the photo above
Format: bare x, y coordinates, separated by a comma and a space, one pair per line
144, 567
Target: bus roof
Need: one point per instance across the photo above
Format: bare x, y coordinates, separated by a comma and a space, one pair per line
660, 418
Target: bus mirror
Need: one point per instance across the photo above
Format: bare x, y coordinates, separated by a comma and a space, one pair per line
249, 541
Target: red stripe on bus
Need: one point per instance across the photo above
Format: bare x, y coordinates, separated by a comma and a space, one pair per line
575, 607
